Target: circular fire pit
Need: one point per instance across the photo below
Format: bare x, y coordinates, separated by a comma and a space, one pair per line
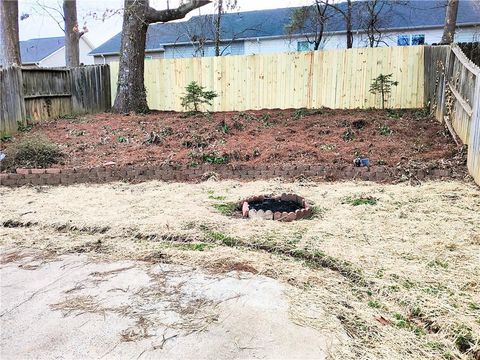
286, 207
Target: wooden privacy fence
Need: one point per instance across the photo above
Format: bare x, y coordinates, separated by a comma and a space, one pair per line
30, 95
335, 79
12, 106
453, 89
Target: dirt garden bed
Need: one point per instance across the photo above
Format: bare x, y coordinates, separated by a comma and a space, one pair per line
326, 137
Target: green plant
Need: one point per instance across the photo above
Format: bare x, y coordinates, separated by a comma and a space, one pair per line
464, 340
212, 158
473, 306
348, 135
168, 131
68, 116
403, 323
195, 96
385, 130
122, 139
317, 212
196, 142
265, 120
211, 195
382, 85
422, 113
300, 113
374, 304
226, 209
5, 138
361, 200
394, 113
222, 238
23, 127
32, 152
223, 127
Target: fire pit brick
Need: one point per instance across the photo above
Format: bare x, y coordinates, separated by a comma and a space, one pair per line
268, 207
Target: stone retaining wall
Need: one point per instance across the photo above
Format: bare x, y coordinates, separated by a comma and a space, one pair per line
134, 173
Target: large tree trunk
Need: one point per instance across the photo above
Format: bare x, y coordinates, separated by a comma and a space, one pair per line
131, 95
9, 39
450, 22
72, 33
348, 20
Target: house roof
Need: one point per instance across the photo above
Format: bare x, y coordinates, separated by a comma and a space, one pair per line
35, 50
272, 23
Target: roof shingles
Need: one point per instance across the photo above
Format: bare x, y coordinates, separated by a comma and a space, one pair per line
35, 50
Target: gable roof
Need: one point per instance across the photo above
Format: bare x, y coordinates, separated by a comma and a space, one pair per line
35, 50
272, 23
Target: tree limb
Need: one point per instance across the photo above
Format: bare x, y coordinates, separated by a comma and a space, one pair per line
154, 16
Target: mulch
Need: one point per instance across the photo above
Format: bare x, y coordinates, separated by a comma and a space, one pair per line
324, 136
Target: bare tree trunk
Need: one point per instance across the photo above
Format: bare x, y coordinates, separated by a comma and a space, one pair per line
348, 20
450, 22
218, 20
9, 38
72, 33
131, 95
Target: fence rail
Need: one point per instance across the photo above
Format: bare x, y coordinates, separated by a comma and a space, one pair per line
30, 95
453, 89
335, 79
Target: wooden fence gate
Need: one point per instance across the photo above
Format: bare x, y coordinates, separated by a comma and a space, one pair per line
452, 85
29, 95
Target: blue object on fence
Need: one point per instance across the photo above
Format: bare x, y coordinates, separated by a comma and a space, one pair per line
2, 156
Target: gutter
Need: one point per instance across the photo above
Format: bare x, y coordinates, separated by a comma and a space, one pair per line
91, 53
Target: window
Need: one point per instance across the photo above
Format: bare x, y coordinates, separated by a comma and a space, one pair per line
303, 46
403, 40
418, 39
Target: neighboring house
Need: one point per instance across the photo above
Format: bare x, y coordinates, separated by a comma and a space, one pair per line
50, 52
264, 31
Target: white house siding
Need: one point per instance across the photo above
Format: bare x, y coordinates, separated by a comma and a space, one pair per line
106, 59
84, 50
57, 59
183, 51
338, 41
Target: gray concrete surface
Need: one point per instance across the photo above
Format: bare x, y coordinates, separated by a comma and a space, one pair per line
72, 307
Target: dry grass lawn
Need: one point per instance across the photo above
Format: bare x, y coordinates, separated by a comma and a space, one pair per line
395, 279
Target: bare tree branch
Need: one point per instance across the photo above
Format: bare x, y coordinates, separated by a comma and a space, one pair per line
153, 15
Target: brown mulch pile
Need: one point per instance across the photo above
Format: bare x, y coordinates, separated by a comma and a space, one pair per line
302, 136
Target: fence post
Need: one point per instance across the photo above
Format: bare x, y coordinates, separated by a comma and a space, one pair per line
445, 79
473, 161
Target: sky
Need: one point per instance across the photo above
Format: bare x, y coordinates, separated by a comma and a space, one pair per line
41, 13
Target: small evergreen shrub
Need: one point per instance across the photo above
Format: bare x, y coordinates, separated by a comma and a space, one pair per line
382, 85
195, 96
